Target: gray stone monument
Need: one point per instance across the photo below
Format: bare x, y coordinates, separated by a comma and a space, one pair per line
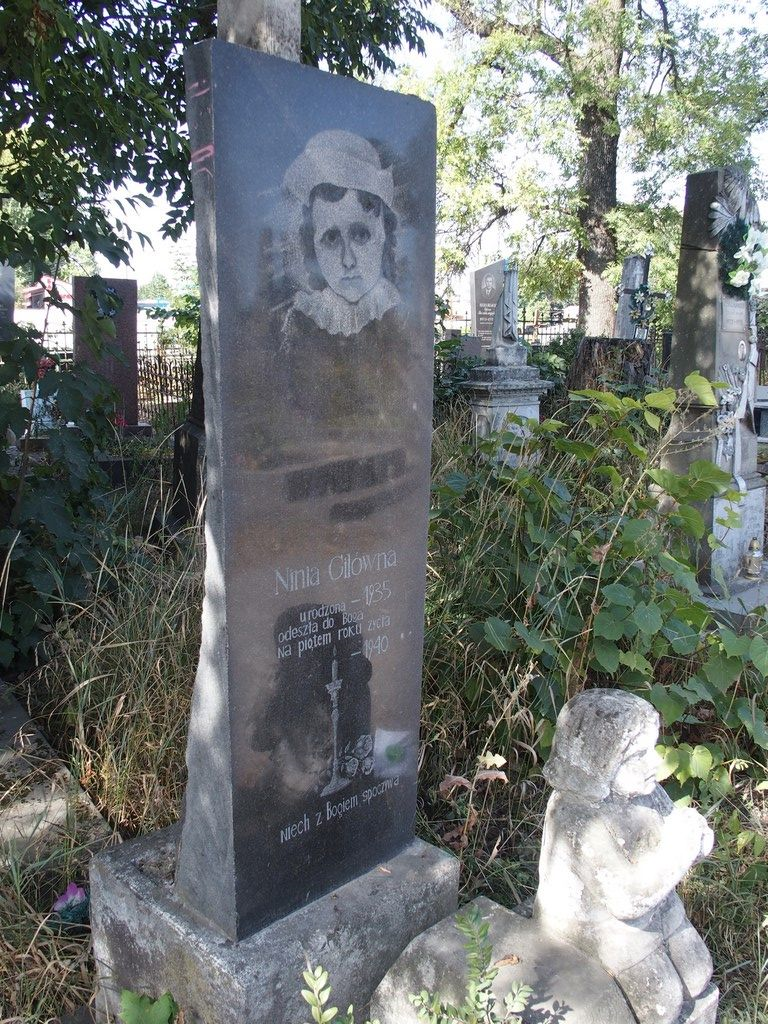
506, 385
715, 334
118, 363
315, 227
7, 292
634, 274
486, 286
609, 941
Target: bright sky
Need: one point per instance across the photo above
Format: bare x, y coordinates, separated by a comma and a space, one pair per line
160, 257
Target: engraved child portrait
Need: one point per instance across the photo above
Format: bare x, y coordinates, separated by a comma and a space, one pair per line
347, 237
341, 317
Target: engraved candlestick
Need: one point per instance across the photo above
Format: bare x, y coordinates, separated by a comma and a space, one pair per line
334, 687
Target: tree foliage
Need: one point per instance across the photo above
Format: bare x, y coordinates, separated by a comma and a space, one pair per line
547, 104
92, 97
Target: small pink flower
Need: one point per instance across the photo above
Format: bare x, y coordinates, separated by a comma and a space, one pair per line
71, 896
119, 420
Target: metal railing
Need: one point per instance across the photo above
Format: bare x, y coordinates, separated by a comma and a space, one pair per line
165, 375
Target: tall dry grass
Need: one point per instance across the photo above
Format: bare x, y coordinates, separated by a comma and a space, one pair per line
116, 689
45, 970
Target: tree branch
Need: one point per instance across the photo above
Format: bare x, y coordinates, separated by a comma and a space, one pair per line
544, 41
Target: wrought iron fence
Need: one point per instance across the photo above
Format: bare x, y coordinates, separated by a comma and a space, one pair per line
165, 388
539, 328
164, 376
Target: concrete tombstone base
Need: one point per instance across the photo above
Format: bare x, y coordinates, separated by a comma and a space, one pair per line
146, 941
497, 392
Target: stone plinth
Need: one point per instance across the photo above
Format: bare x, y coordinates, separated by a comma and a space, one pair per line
145, 938
498, 392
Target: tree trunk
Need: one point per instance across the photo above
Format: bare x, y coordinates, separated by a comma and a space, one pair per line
598, 127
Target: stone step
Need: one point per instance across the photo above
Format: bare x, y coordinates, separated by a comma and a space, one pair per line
40, 800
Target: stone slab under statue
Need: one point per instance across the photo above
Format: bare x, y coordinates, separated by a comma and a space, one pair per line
608, 940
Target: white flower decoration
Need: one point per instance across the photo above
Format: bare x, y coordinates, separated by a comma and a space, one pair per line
739, 278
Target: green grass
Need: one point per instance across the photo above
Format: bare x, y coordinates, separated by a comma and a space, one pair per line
116, 691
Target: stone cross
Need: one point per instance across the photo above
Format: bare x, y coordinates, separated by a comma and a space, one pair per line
506, 348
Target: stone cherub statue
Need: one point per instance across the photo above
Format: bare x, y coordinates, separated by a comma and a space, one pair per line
614, 848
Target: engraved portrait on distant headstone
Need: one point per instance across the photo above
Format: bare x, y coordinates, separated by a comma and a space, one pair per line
347, 237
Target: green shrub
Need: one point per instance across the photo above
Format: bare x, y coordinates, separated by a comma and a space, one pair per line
52, 528
566, 572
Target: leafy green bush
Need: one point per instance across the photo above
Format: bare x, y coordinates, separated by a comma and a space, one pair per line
139, 1009
51, 501
180, 325
566, 572
480, 1004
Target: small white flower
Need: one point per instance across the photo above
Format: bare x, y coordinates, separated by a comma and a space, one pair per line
756, 238
739, 278
744, 253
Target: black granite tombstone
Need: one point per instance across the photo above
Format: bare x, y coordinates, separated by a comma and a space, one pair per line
314, 200
486, 286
